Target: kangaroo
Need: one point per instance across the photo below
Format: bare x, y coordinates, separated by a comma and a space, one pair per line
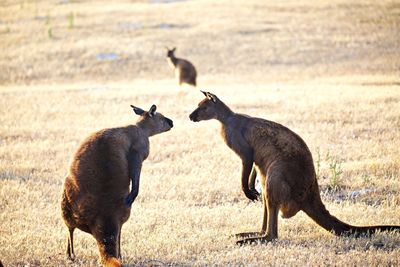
184, 70
96, 197
285, 164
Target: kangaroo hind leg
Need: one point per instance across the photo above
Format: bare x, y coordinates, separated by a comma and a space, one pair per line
70, 247
272, 229
275, 192
264, 223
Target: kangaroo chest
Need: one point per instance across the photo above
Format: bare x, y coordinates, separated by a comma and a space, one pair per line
143, 149
234, 139
171, 62
141, 146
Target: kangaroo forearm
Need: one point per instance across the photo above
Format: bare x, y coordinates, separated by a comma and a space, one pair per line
135, 167
247, 166
252, 179
135, 185
135, 178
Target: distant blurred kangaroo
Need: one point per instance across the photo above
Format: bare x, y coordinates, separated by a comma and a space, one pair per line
285, 164
96, 197
184, 70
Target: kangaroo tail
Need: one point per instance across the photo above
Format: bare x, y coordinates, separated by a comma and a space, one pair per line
107, 260
317, 211
111, 262
107, 236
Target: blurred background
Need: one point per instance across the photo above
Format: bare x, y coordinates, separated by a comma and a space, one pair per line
70, 41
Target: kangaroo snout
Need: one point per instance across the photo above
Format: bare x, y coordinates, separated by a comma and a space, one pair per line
193, 117
170, 122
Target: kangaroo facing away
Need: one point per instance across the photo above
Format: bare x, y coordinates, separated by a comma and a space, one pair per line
285, 164
96, 197
184, 70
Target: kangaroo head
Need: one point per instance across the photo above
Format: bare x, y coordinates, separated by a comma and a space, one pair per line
152, 121
170, 52
207, 109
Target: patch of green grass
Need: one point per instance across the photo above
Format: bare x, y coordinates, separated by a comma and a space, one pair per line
366, 179
318, 163
71, 19
335, 171
47, 19
6, 30
50, 33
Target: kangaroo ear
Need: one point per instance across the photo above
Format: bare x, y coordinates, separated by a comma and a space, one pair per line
173, 49
152, 110
212, 97
137, 110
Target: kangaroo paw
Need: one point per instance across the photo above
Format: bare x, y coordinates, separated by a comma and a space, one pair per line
253, 195
256, 193
129, 200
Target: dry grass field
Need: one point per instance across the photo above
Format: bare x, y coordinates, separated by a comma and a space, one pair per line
329, 70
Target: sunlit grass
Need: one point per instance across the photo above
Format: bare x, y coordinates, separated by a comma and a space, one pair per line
190, 202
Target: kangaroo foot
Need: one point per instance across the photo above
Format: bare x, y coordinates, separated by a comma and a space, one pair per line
254, 240
71, 257
248, 234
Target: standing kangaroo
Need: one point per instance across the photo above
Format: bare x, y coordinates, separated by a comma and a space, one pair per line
184, 70
285, 164
96, 197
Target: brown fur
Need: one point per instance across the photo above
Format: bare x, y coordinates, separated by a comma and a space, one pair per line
96, 197
286, 168
184, 70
